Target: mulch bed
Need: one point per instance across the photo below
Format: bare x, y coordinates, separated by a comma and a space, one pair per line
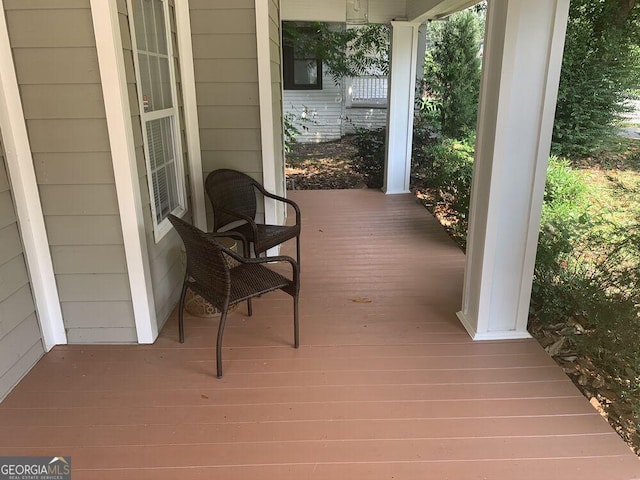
322, 166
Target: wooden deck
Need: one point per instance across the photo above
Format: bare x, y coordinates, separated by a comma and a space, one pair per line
386, 384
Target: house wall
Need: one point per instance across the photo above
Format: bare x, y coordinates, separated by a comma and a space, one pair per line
324, 110
20, 337
165, 257
380, 11
56, 62
364, 117
226, 75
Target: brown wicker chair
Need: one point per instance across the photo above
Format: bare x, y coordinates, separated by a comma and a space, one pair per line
233, 197
209, 275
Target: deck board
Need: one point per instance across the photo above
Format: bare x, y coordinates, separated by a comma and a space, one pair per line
386, 384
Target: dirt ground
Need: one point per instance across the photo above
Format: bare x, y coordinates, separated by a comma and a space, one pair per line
322, 166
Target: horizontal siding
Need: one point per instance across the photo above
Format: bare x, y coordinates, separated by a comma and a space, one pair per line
226, 73
84, 229
70, 168
61, 101
369, 118
324, 110
20, 337
56, 61
115, 313
51, 27
46, 66
107, 335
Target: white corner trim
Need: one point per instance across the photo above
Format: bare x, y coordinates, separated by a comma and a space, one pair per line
484, 336
116, 99
27, 198
190, 103
267, 128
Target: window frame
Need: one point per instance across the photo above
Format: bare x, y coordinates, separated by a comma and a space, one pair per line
161, 228
288, 68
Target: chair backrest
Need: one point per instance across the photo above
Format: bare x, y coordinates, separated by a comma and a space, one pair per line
206, 263
233, 191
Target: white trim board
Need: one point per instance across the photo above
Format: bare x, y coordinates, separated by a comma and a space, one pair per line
27, 197
190, 105
485, 336
267, 128
116, 99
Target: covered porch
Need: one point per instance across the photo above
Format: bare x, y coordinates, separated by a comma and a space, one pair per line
386, 384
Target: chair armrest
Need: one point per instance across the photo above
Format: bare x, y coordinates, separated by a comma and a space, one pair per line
280, 258
281, 199
232, 234
240, 216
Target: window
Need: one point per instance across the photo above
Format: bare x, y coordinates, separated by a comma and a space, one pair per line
155, 72
301, 70
368, 91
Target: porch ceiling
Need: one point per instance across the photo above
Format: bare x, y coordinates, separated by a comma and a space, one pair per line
386, 383
423, 10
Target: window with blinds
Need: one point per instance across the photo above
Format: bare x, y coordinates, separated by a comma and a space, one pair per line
158, 110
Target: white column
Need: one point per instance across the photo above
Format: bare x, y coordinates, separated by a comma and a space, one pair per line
402, 85
106, 25
522, 60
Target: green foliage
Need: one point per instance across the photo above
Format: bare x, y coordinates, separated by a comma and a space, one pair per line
345, 52
451, 174
452, 71
587, 276
370, 156
601, 64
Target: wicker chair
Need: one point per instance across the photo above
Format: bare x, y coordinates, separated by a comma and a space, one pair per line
233, 197
210, 275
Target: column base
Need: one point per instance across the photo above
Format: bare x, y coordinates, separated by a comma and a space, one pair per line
498, 335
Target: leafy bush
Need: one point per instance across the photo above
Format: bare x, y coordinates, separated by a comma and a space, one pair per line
452, 172
452, 71
565, 218
587, 281
370, 156
601, 63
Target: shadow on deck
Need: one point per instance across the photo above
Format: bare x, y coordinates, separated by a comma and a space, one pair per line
386, 384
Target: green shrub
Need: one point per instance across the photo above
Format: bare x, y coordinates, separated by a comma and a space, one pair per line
370, 155
452, 172
452, 71
601, 63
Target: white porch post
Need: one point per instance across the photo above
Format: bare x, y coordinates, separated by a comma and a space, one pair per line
522, 61
402, 84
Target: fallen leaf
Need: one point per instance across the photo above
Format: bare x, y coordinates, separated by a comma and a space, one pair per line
360, 300
555, 348
204, 397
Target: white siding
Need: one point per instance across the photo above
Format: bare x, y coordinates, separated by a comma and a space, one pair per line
324, 110
364, 117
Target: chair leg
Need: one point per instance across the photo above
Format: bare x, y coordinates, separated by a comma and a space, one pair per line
181, 313
296, 323
298, 250
223, 320
249, 308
